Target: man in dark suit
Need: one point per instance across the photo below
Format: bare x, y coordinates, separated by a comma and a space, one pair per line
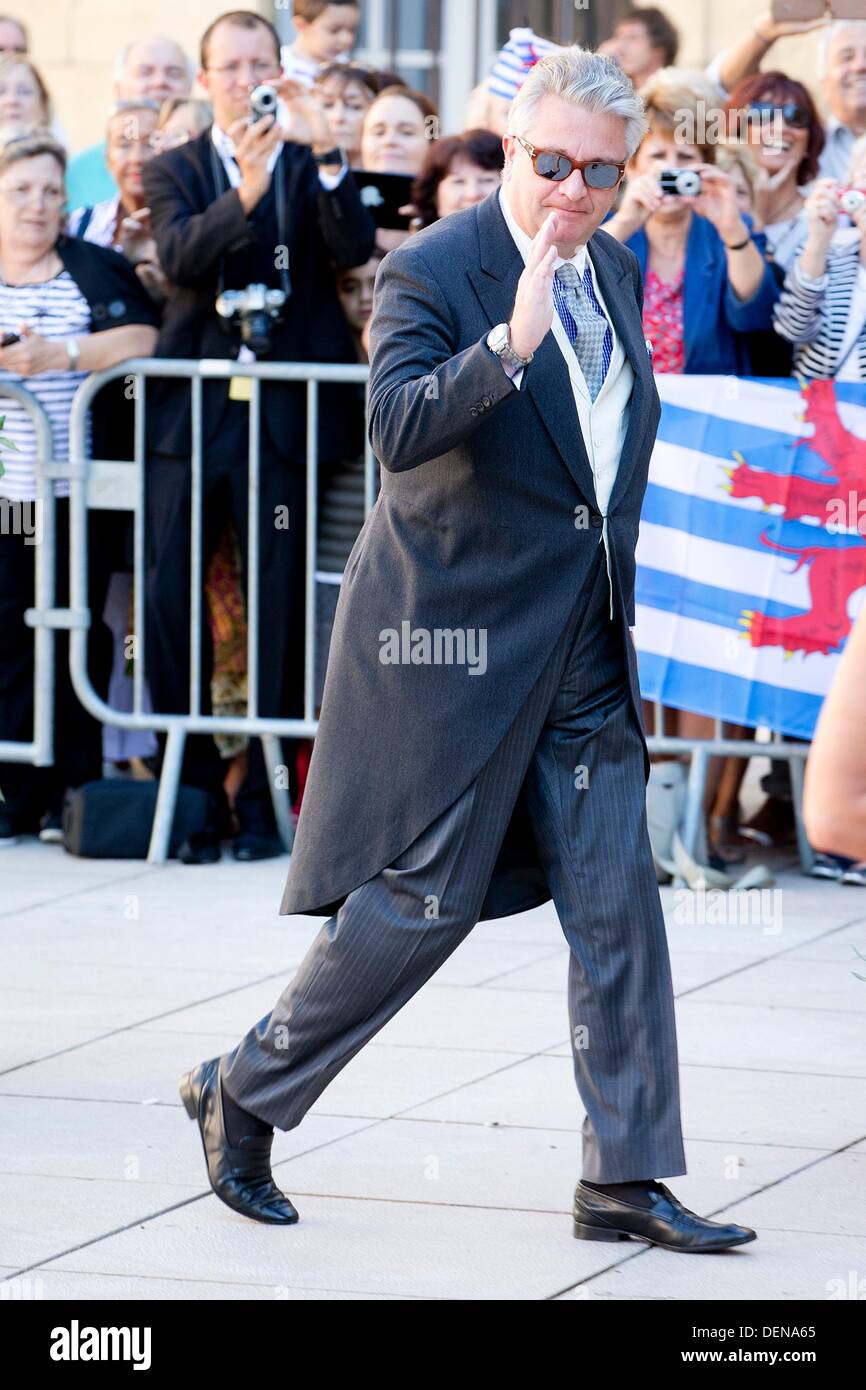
245, 204
482, 663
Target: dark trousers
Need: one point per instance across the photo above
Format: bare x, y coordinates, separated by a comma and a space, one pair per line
31, 791
281, 595
577, 749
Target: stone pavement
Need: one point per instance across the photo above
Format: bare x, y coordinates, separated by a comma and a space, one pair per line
441, 1162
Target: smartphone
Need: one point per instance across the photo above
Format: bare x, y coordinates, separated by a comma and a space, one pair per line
848, 9
798, 10
8, 339
384, 195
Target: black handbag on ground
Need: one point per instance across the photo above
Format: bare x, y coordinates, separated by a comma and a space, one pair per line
112, 819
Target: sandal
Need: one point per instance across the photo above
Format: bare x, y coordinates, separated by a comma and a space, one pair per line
723, 841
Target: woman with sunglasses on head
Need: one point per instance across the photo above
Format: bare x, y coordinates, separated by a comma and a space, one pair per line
707, 282
780, 122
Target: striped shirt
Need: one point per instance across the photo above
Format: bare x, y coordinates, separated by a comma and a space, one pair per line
814, 315
54, 309
101, 224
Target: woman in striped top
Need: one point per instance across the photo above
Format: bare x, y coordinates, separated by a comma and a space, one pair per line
822, 310
73, 308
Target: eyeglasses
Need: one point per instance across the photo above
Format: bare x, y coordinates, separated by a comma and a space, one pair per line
550, 164
121, 108
257, 71
790, 111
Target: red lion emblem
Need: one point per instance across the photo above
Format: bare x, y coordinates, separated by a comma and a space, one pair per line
835, 572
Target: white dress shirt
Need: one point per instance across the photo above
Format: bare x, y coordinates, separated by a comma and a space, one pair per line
301, 68
225, 148
603, 422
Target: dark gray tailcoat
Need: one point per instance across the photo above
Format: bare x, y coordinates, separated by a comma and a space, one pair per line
486, 519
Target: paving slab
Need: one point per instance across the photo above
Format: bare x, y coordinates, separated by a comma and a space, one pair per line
441, 1161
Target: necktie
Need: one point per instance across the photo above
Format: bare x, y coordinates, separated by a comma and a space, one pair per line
589, 331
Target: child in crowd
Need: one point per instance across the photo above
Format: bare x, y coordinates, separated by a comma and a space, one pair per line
325, 34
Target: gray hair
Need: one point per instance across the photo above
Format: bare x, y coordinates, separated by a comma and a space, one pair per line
591, 80
28, 142
118, 71
830, 33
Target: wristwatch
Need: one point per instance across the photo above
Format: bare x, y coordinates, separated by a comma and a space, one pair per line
72, 353
499, 341
334, 156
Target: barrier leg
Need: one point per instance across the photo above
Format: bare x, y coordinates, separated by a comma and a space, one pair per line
166, 799
279, 795
807, 854
694, 803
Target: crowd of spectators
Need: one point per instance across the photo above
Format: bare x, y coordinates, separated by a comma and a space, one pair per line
752, 265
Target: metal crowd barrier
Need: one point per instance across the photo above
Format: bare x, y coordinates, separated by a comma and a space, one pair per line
120, 486
39, 750
108, 484
700, 751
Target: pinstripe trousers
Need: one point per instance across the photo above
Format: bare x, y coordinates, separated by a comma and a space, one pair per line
576, 749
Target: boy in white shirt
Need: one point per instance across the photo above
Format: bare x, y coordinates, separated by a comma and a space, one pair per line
326, 33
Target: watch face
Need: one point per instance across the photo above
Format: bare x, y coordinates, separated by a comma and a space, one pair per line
498, 337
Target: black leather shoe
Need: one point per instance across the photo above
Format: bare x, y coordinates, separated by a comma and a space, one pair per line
249, 845
202, 847
241, 1177
667, 1223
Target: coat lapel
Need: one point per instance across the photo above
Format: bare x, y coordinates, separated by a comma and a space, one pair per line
613, 280
547, 380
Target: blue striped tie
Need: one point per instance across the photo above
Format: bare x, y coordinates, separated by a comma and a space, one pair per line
588, 330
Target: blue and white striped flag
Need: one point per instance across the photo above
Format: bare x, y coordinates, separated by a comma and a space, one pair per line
515, 61
752, 549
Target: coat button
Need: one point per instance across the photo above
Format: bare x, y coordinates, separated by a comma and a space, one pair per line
596, 520
473, 412
485, 400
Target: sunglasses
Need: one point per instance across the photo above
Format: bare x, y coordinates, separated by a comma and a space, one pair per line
550, 164
790, 112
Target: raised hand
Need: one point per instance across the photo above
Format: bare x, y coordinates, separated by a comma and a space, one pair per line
770, 29
717, 202
254, 144
533, 304
308, 121
822, 215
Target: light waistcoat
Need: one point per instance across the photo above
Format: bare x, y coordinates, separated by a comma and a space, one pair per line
604, 422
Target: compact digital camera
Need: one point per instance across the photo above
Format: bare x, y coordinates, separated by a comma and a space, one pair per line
263, 102
851, 200
680, 183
